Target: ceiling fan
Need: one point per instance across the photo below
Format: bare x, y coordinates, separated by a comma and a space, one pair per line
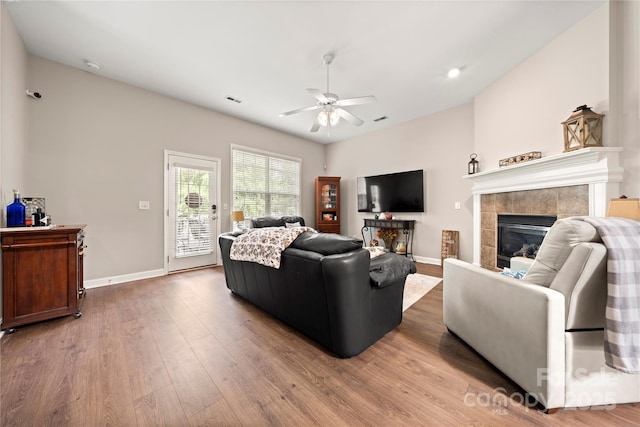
330, 105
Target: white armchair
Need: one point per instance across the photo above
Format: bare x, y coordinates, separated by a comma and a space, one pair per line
545, 331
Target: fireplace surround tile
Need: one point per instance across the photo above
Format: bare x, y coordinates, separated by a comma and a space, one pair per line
545, 201
488, 237
504, 202
489, 220
522, 202
560, 201
488, 202
573, 201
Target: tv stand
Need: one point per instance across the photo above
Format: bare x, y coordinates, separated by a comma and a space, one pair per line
405, 226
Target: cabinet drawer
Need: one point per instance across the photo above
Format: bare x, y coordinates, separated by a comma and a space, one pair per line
328, 228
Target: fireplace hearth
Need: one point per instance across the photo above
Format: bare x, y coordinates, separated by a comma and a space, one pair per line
521, 235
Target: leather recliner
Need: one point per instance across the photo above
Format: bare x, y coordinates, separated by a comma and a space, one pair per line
546, 330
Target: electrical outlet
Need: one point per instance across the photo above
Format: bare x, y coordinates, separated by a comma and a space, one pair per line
456, 205
143, 205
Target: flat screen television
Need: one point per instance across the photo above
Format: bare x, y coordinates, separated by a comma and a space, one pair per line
393, 192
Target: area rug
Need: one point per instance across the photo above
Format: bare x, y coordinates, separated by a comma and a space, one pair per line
416, 286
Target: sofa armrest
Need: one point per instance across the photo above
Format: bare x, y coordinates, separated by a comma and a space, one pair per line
517, 326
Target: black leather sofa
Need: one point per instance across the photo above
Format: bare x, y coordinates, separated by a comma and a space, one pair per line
323, 288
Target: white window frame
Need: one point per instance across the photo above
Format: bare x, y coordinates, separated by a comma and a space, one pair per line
242, 148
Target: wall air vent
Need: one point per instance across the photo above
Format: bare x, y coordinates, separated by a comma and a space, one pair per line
379, 119
236, 100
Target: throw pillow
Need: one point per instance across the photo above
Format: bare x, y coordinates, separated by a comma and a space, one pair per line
516, 274
292, 224
326, 243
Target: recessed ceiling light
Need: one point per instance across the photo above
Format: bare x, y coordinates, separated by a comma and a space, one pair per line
92, 66
453, 73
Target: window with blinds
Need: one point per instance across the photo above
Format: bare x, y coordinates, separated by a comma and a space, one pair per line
265, 184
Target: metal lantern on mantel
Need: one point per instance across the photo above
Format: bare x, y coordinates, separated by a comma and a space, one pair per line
582, 129
472, 166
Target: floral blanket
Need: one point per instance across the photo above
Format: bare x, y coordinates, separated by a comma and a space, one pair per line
265, 245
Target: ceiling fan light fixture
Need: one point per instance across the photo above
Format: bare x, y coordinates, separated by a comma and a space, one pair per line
330, 118
453, 73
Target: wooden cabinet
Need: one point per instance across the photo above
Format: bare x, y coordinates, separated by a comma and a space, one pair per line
42, 274
328, 204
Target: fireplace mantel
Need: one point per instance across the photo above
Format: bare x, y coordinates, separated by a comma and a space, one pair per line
599, 168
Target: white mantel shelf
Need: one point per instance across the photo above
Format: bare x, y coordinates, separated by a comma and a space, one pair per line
598, 167
585, 166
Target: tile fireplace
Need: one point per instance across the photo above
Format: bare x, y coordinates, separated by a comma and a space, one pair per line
576, 183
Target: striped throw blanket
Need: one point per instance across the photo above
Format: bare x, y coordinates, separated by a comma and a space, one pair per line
622, 328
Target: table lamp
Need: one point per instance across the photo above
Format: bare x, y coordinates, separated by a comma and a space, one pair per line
624, 208
238, 220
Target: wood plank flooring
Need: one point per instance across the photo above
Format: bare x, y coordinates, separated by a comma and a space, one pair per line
182, 350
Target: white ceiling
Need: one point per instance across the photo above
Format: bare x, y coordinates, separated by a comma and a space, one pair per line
267, 53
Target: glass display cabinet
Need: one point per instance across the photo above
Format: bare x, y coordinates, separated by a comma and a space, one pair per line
328, 204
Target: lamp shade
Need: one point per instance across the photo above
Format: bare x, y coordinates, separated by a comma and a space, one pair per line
624, 208
237, 216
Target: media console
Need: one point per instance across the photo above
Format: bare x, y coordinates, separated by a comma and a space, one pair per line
405, 226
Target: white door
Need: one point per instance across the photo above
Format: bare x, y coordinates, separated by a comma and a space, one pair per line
191, 223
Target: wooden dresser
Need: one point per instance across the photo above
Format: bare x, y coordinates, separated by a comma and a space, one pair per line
42, 273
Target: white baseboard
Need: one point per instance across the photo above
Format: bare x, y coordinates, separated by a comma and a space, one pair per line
426, 260
108, 281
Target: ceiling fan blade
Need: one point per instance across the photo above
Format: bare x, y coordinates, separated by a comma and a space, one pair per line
349, 117
318, 95
299, 110
316, 126
356, 101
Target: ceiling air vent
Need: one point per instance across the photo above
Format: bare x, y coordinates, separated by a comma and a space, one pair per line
236, 100
379, 119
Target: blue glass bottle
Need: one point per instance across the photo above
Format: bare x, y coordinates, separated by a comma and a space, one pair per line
16, 211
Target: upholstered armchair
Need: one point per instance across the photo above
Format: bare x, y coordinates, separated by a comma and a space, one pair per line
546, 330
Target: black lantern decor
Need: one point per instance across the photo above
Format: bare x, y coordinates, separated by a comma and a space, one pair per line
582, 129
472, 167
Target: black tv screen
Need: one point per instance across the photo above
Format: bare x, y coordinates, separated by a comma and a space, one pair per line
394, 192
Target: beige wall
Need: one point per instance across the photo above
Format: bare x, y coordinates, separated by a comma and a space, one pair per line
520, 112
595, 62
624, 87
523, 110
14, 114
97, 149
440, 144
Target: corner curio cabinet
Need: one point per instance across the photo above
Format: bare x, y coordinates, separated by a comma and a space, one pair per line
328, 204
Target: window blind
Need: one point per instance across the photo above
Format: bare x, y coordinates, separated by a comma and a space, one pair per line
265, 184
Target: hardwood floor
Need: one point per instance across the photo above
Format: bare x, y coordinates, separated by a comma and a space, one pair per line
182, 350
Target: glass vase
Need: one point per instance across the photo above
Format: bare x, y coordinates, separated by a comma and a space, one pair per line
16, 212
